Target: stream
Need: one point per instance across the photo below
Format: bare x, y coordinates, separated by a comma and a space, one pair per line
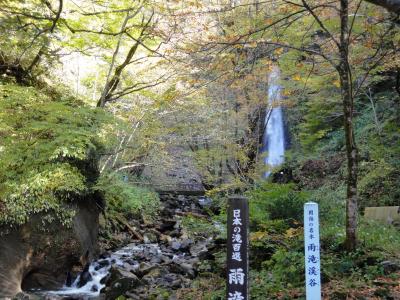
166, 259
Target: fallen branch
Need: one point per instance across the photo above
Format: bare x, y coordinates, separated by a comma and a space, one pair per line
124, 222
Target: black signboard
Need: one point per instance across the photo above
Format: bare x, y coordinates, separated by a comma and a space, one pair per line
237, 252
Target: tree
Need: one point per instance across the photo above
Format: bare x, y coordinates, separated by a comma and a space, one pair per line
330, 35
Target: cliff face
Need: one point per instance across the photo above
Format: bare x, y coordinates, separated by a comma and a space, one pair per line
37, 256
177, 173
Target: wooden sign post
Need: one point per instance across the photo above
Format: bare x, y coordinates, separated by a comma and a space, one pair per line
237, 251
312, 251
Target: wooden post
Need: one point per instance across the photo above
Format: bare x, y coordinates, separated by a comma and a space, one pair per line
237, 249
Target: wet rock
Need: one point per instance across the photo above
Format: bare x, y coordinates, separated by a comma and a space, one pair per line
94, 288
69, 280
131, 262
105, 255
105, 279
84, 277
101, 264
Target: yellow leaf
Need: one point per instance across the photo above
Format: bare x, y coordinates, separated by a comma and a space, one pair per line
259, 235
278, 51
291, 232
336, 83
297, 77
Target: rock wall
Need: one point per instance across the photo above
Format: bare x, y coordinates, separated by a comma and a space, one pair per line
35, 256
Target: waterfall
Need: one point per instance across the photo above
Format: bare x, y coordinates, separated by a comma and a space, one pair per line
274, 135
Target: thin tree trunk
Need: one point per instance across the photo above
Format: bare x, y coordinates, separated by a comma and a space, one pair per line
102, 100
351, 149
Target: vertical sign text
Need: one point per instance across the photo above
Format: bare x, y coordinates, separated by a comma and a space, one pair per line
311, 250
237, 252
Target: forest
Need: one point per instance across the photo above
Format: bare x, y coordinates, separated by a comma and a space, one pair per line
127, 126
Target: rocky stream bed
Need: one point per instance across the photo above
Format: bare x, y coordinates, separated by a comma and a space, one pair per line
157, 259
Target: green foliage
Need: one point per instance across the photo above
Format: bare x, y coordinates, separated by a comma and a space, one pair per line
198, 228
276, 202
125, 198
287, 267
49, 150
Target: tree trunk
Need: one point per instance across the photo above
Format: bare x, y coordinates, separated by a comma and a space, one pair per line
351, 149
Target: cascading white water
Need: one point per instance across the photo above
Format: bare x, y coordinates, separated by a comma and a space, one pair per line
99, 269
274, 134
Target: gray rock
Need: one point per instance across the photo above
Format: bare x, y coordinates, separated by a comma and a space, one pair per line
130, 268
154, 274
119, 282
167, 224
390, 266
205, 201
118, 273
183, 268
176, 245
25, 296
101, 264
186, 244
145, 268
166, 259
199, 249
150, 238
84, 277
121, 286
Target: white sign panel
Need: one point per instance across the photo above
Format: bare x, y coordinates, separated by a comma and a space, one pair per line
312, 251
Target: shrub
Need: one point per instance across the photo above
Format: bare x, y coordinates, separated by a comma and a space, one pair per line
276, 202
49, 150
125, 198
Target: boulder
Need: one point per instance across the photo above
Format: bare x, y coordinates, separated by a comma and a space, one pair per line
84, 277
119, 282
33, 257
145, 268
390, 266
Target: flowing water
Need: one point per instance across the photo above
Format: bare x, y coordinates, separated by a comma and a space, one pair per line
176, 259
274, 134
273, 145
100, 268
